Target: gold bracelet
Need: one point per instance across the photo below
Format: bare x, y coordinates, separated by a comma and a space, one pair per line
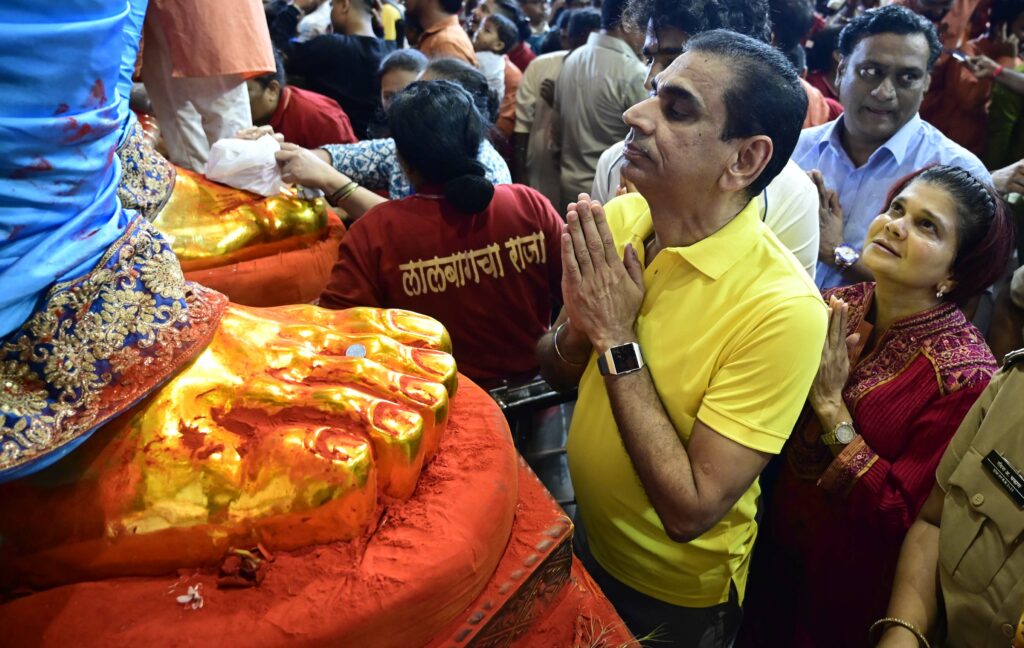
561, 357
343, 193
887, 622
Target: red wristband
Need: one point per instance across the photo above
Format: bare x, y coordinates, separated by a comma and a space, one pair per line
999, 70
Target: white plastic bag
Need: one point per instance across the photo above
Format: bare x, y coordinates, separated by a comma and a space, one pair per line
246, 164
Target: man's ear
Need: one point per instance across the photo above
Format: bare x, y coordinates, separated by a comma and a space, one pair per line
752, 156
274, 87
840, 71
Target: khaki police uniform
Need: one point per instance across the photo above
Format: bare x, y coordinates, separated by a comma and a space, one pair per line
981, 560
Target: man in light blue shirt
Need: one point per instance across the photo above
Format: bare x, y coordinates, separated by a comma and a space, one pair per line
887, 54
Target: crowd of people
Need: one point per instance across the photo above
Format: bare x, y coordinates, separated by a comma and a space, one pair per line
772, 243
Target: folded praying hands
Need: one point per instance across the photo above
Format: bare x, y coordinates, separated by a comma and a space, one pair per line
602, 293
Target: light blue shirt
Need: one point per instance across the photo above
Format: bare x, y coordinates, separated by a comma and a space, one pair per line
374, 164
862, 191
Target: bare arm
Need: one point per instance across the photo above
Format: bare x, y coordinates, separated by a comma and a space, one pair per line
985, 68
915, 595
313, 169
691, 487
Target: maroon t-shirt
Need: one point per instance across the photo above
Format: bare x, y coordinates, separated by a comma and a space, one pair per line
310, 119
491, 278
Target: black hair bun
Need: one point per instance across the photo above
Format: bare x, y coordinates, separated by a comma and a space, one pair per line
470, 191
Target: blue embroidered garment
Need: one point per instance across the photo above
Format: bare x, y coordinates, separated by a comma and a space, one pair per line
94, 309
61, 120
374, 164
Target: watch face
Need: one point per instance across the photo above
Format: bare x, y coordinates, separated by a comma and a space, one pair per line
625, 358
846, 254
845, 433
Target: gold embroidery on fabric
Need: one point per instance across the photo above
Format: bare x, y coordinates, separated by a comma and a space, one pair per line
21, 393
147, 178
955, 348
98, 344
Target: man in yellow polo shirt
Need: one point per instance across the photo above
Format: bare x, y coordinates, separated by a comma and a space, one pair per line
693, 335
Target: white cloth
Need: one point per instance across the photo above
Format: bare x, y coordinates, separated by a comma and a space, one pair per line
788, 206
194, 112
536, 117
493, 68
598, 82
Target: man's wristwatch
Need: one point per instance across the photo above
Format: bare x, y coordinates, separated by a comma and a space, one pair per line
845, 256
622, 359
842, 434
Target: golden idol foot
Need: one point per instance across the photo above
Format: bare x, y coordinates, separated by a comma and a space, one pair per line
204, 220
284, 431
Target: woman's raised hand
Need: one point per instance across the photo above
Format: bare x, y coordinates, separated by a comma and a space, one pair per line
826, 393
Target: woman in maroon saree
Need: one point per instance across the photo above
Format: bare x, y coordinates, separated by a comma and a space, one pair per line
900, 368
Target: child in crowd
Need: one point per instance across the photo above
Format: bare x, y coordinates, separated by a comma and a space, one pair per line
492, 41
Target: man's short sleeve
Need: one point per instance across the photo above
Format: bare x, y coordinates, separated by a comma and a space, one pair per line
756, 396
526, 99
606, 178
792, 214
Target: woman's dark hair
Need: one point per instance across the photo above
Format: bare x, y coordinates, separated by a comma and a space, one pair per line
514, 13
507, 32
438, 132
823, 44
890, 19
407, 60
985, 233
472, 81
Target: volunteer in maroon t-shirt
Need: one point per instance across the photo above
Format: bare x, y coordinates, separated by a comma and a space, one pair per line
482, 259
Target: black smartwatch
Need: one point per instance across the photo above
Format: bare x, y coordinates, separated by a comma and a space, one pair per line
622, 359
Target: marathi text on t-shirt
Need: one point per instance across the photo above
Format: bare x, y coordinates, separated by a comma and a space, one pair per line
436, 275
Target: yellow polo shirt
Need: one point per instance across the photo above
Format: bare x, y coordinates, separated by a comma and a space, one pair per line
732, 330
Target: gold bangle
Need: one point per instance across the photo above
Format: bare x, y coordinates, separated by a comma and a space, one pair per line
887, 622
343, 192
561, 357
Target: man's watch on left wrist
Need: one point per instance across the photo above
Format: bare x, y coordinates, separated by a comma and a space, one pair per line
845, 256
621, 359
